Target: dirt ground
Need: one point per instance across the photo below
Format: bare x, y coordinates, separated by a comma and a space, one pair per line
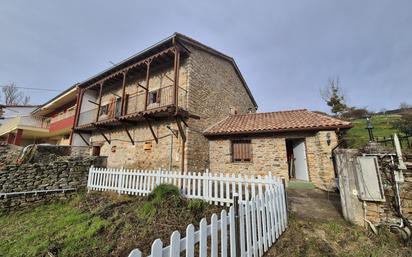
316, 228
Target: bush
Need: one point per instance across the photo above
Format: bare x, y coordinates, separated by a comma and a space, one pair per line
197, 206
404, 124
354, 113
163, 192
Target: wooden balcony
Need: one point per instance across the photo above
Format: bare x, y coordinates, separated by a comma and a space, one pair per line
158, 105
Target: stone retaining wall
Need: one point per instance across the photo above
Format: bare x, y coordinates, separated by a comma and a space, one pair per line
63, 174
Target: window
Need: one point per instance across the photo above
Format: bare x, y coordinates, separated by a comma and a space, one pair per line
242, 150
154, 96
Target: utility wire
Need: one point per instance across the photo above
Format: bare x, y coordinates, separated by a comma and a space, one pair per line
38, 89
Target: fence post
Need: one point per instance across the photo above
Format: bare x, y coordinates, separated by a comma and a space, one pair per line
158, 177
285, 193
120, 180
237, 224
89, 178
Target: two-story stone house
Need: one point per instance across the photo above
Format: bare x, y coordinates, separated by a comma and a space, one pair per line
183, 106
150, 110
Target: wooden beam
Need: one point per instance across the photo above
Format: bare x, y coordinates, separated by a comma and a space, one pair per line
79, 101
176, 76
184, 122
90, 101
122, 111
128, 134
84, 140
128, 122
181, 131
100, 101
104, 136
151, 130
140, 85
147, 83
169, 78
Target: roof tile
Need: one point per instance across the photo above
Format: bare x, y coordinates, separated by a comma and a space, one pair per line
281, 121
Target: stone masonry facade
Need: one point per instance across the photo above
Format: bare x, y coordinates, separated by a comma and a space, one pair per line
213, 88
269, 155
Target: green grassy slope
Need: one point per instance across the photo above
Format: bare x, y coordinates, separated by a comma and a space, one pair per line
358, 135
98, 224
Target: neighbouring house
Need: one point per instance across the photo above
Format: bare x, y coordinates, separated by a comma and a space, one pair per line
12, 120
49, 123
293, 144
150, 111
59, 114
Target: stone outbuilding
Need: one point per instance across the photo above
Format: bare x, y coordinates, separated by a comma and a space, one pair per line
296, 145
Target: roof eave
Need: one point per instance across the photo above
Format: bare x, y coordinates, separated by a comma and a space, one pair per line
233, 133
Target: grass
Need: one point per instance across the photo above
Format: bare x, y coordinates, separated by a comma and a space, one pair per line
98, 224
45, 228
294, 184
382, 127
335, 238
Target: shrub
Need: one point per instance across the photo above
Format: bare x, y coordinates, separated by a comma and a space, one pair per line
163, 192
197, 206
354, 113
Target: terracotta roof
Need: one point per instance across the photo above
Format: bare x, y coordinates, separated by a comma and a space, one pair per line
294, 120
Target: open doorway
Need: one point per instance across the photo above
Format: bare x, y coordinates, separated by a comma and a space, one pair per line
296, 157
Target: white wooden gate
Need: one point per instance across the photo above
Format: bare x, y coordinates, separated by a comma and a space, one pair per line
261, 221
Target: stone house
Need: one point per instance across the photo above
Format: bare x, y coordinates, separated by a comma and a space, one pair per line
150, 111
293, 144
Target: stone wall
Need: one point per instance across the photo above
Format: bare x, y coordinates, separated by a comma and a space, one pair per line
269, 155
9, 154
70, 173
319, 156
214, 88
122, 153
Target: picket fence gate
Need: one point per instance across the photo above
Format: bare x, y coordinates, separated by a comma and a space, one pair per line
211, 187
261, 221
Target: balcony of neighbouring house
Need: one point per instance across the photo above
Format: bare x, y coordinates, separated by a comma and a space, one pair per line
33, 123
63, 120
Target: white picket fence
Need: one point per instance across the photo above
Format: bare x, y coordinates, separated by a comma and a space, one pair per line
211, 187
261, 221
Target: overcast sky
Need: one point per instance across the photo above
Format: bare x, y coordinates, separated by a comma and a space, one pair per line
286, 50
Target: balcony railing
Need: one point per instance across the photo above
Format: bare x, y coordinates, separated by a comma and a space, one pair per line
87, 117
135, 103
62, 116
24, 121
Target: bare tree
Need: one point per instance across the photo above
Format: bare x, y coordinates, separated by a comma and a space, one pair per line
404, 106
333, 96
12, 95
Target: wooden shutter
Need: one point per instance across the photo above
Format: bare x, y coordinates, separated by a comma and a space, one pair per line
242, 150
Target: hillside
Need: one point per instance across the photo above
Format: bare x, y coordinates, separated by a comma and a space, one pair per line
382, 127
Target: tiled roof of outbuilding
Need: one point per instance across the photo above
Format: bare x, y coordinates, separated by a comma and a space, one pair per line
282, 121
